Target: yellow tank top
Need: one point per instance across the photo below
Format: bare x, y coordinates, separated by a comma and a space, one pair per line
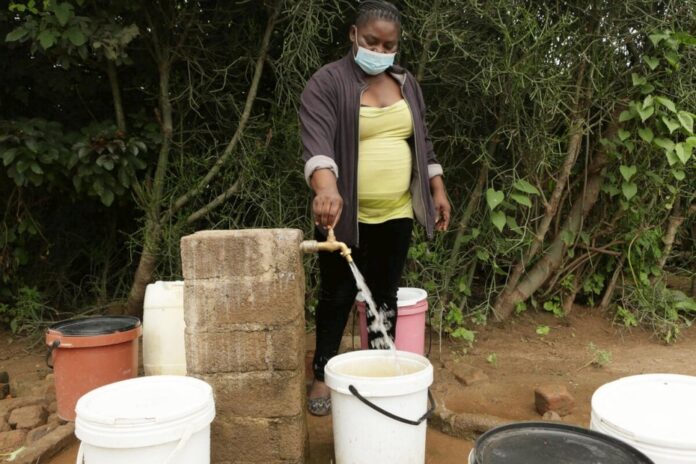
384, 163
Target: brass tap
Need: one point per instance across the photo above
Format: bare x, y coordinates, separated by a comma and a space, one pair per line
331, 244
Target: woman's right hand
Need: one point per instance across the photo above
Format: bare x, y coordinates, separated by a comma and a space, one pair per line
328, 203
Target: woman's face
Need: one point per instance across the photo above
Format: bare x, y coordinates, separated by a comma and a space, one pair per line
376, 35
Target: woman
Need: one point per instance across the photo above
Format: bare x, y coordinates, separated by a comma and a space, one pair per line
370, 162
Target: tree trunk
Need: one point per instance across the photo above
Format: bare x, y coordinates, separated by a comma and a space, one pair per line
673, 224
116, 95
154, 219
553, 257
552, 207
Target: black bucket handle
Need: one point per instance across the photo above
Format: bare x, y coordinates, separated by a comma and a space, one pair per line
428, 413
52, 346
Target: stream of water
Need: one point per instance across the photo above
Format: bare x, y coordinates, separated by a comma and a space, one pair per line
377, 325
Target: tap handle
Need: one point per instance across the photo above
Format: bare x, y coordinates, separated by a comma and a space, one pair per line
330, 236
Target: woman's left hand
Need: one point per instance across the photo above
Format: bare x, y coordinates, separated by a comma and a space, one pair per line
441, 203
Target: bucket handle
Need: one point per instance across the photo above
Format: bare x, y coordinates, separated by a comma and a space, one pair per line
51, 347
428, 413
179, 446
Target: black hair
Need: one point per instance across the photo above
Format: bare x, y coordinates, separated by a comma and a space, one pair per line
377, 9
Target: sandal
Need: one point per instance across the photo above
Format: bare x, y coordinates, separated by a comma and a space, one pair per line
319, 406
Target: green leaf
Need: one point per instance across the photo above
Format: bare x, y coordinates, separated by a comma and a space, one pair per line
36, 169
521, 199
651, 62
8, 156
623, 134
568, 237
687, 303
646, 134
629, 189
648, 101
647, 88
107, 197
687, 121
671, 124
657, 38
524, 186
610, 189
672, 58
628, 171
498, 219
685, 38
678, 174
543, 330
494, 198
691, 141
667, 103
667, 144
638, 80
683, 152
47, 39
75, 36
16, 34
626, 116
671, 157
63, 12
645, 113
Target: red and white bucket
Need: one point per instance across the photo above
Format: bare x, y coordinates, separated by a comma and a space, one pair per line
410, 323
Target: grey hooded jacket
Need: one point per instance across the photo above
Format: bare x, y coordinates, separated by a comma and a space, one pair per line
329, 117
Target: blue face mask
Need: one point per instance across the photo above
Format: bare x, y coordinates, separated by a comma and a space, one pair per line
373, 63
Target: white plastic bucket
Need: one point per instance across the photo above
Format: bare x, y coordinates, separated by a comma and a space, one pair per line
147, 420
164, 351
362, 382
655, 413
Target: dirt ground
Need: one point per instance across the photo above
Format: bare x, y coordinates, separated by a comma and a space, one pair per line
515, 360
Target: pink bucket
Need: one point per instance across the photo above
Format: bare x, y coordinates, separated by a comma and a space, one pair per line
410, 322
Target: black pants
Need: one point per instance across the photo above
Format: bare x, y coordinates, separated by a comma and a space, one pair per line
380, 257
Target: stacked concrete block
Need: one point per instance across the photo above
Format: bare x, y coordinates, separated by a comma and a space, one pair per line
244, 311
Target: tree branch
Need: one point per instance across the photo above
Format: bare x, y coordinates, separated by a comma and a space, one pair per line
116, 94
243, 120
217, 201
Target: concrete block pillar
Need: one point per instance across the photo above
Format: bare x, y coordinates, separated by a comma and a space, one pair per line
244, 311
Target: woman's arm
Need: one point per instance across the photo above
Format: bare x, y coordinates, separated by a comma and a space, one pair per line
318, 122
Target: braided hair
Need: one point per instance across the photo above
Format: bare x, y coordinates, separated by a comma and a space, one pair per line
377, 9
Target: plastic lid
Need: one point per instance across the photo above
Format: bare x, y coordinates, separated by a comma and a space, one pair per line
406, 296
144, 411
100, 325
657, 409
550, 443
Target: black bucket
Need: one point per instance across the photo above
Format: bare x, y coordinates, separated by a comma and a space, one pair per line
552, 443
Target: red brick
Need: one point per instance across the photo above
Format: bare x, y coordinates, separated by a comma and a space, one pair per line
465, 374
553, 398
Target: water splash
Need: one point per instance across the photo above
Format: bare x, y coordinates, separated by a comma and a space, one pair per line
379, 324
